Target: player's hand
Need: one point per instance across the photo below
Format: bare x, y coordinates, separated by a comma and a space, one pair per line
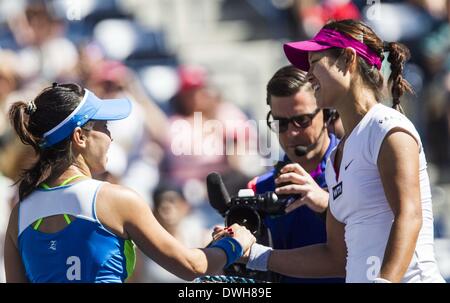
221, 231
301, 183
243, 236
240, 233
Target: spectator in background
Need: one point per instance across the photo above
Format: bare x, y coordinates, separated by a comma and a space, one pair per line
6, 194
202, 128
9, 82
435, 49
173, 212
14, 156
41, 43
312, 15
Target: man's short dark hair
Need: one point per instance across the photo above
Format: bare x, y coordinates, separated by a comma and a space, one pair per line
287, 81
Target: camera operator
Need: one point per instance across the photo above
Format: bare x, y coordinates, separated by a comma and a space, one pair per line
303, 134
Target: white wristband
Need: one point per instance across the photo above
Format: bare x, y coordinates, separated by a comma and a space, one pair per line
259, 257
381, 280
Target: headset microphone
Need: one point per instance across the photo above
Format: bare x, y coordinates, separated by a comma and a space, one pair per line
302, 150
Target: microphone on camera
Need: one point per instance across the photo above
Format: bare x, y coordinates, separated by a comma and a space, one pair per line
218, 195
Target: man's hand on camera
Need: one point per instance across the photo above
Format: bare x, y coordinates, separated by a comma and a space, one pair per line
300, 182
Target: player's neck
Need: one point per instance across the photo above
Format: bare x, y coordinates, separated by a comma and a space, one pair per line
355, 108
70, 172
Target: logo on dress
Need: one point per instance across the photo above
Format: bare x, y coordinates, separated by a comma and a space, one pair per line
52, 245
348, 164
337, 190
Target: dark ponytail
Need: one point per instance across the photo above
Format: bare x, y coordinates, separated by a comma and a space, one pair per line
398, 55
31, 120
19, 119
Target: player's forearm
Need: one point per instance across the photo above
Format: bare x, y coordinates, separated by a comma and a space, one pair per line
400, 247
314, 261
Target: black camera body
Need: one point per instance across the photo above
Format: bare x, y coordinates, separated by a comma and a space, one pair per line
267, 203
248, 209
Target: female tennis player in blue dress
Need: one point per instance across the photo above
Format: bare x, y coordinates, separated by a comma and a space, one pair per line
69, 227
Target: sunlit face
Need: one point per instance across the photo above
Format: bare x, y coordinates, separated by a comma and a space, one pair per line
303, 102
97, 145
328, 78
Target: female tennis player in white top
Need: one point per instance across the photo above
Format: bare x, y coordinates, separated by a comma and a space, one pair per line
380, 221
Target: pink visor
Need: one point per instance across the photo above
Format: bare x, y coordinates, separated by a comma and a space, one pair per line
297, 52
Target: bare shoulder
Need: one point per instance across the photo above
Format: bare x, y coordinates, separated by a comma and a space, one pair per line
117, 193
120, 198
116, 205
399, 143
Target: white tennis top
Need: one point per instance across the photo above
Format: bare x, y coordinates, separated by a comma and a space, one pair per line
357, 199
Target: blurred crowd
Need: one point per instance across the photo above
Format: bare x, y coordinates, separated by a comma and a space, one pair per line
160, 151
